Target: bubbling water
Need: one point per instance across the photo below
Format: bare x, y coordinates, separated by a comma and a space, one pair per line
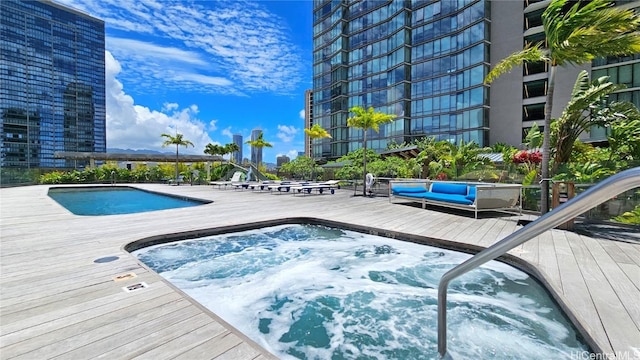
313, 292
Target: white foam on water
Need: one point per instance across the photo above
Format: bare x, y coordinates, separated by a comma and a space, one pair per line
361, 295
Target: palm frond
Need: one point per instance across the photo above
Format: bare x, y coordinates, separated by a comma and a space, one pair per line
585, 31
529, 54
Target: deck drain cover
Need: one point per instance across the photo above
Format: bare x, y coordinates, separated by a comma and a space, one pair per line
106, 259
124, 277
134, 287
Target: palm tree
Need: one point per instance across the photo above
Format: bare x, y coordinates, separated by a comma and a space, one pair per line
576, 33
316, 132
365, 120
230, 149
213, 149
177, 140
259, 143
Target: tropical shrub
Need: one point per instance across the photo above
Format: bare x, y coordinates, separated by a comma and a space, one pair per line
629, 217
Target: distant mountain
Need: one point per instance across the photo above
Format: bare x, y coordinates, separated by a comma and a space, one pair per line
131, 151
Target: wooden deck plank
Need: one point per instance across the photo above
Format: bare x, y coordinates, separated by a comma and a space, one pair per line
95, 329
616, 252
160, 336
178, 345
547, 259
633, 273
573, 282
211, 348
622, 285
620, 329
25, 341
242, 351
631, 250
50, 251
43, 309
181, 310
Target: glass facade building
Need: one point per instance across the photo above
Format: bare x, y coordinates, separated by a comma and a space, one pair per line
52, 84
423, 61
237, 156
256, 152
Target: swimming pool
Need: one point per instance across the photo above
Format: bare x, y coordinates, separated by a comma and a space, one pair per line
112, 200
309, 291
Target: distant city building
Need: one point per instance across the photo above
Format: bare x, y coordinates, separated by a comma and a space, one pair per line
52, 84
282, 159
237, 156
301, 153
256, 153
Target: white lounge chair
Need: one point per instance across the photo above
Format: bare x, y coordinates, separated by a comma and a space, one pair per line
321, 188
284, 186
236, 178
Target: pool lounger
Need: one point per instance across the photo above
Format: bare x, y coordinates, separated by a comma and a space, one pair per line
284, 186
318, 188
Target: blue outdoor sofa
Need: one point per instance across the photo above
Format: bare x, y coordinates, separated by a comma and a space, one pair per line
467, 196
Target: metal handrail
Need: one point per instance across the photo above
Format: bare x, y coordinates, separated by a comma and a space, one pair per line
594, 196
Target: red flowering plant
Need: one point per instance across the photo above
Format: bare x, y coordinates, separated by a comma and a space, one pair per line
441, 176
529, 160
526, 157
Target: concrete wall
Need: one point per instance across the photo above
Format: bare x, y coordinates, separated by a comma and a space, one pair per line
505, 117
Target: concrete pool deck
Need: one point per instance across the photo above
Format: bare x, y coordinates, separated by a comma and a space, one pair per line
57, 302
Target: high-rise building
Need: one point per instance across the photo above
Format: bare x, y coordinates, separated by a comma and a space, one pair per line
308, 123
282, 159
425, 62
256, 153
52, 84
237, 156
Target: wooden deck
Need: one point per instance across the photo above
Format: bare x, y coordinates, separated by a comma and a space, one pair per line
57, 302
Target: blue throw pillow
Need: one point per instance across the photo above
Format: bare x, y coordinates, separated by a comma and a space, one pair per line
472, 193
449, 188
407, 189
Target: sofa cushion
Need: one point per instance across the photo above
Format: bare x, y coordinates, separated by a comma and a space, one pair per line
471, 195
417, 195
407, 189
451, 198
449, 188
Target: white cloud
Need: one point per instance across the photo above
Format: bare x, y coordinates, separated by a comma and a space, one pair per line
286, 133
228, 47
202, 79
169, 106
212, 125
131, 126
227, 132
292, 154
301, 114
145, 51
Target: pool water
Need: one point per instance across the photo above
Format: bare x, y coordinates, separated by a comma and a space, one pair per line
115, 200
313, 292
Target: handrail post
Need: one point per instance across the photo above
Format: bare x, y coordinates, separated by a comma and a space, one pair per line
591, 198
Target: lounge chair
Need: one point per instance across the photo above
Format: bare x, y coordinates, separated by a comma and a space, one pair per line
284, 186
260, 186
236, 178
321, 188
176, 182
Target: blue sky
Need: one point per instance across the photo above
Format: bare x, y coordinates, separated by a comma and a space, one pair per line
208, 68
